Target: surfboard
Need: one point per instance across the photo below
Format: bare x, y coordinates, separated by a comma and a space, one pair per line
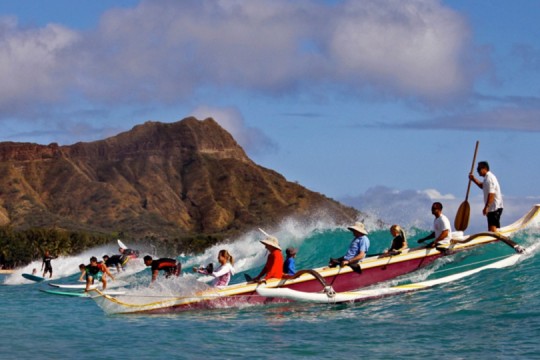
79, 293
33, 277
121, 244
72, 286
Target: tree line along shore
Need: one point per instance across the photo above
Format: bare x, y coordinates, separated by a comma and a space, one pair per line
21, 247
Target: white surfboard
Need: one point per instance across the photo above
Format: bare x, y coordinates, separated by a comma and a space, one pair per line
81, 293
73, 286
121, 244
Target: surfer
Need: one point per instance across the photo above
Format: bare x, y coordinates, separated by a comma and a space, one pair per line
289, 266
129, 252
47, 263
274, 262
223, 273
357, 249
126, 254
95, 271
493, 200
441, 227
115, 260
169, 266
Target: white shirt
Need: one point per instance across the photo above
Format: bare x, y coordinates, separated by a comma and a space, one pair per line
491, 186
439, 225
223, 275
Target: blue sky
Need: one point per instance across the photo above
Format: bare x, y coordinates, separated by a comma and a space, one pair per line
376, 102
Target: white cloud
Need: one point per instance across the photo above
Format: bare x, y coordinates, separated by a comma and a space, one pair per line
412, 208
30, 64
409, 47
166, 51
435, 195
252, 140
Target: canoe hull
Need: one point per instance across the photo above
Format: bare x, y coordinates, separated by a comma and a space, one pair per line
341, 279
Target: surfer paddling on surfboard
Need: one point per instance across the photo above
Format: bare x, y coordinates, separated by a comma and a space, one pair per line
126, 253
169, 266
115, 260
95, 271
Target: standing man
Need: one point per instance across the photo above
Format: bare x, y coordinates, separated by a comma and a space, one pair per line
47, 264
493, 202
442, 231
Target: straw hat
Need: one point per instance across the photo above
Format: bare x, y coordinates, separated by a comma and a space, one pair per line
358, 226
271, 241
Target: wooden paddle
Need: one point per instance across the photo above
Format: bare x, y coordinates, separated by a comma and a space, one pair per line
464, 211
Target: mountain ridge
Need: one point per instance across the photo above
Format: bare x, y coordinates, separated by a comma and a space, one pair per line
164, 180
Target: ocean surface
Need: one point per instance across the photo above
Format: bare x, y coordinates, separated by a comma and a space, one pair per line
494, 314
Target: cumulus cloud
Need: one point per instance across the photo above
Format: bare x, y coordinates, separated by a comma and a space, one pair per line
406, 207
412, 208
252, 140
31, 67
166, 51
403, 46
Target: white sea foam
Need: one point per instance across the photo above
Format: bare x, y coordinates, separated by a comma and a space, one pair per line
64, 266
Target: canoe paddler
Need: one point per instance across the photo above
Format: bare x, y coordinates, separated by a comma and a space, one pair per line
493, 200
442, 230
357, 249
273, 269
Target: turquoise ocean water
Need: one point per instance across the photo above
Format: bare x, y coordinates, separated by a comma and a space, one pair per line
494, 314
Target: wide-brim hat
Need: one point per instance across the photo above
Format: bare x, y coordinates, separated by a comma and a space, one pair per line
358, 226
271, 241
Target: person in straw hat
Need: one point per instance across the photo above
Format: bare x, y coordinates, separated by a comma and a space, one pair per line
274, 263
357, 250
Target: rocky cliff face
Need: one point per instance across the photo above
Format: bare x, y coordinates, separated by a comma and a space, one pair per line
162, 180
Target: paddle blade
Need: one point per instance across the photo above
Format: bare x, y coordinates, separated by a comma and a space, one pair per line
462, 217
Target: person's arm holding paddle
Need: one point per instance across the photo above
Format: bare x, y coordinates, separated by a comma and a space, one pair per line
425, 238
442, 236
475, 180
491, 196
355, 259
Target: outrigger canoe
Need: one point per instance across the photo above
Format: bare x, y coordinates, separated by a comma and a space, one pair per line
375, 269
328, 296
